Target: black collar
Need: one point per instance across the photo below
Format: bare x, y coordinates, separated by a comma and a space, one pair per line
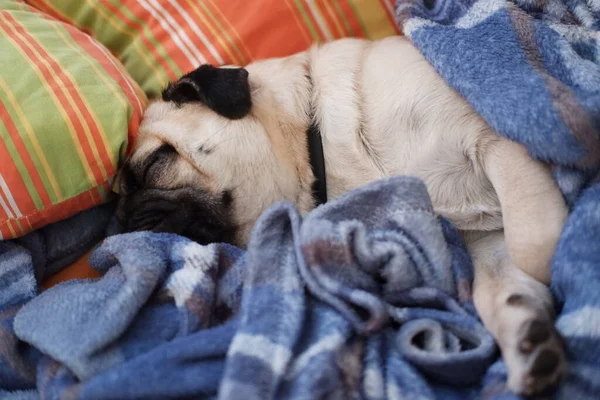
317, 162
315, 150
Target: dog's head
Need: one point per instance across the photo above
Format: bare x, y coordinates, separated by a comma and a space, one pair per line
208, 160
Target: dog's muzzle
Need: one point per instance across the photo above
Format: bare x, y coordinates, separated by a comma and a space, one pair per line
189, 212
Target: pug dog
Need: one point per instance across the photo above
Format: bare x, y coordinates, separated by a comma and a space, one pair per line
223, 144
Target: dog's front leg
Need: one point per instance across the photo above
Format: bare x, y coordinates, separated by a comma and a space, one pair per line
513, 268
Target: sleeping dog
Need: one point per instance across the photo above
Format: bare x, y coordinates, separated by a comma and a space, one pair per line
223, 144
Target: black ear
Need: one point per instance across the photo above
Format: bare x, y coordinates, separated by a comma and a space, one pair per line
224, 90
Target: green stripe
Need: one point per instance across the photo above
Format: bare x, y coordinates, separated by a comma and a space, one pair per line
104, 195
344, 19
148, 33
20, 226
360, 20
224, 31
306, 19
84, 15
20, 165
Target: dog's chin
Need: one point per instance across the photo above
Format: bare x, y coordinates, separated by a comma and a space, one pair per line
188, 212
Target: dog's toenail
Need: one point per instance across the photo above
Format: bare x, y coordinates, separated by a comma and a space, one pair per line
545, 363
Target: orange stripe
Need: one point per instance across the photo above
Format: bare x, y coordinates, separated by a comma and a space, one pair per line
52, 14
139, 28
63, 210
21, 231
293, 10
138, 96
4, 213
36, 6
312, 19
10, 225
351, 18
136, 100
162, 35
332, 20
108, 66
265, 41
167, 25
106, 63
57, 73
44, 8
214, 36
95, 197
14, 180
230, 28
6, 234
29, 227
178, 23
385, 4
29, 165
48, 9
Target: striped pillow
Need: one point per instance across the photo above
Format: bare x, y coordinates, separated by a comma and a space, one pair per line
159, 40
67, 112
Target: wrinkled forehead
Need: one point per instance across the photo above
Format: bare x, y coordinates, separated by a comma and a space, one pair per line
144, 147
178, 126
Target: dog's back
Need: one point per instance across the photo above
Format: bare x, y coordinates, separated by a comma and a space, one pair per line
383, 111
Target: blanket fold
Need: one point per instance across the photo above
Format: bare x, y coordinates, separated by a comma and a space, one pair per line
369, 278
347, 303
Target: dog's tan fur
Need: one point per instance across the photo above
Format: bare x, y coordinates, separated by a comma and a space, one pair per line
382, 111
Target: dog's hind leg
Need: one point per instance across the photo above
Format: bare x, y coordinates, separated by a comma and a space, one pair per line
518, 310
512, 268
533, 208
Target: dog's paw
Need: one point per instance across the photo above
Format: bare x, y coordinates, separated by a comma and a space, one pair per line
537, 361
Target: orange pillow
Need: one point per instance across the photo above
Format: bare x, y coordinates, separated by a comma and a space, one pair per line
159, 41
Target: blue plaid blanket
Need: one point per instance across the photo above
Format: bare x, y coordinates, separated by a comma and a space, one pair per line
367, 297
531, 69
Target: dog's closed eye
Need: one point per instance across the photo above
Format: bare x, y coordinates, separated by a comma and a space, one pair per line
157, 161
